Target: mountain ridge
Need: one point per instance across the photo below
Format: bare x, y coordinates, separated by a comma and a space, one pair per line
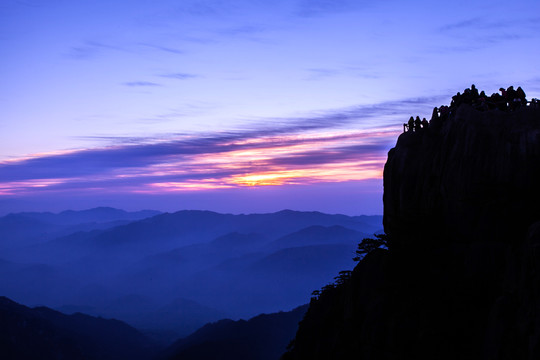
40, 332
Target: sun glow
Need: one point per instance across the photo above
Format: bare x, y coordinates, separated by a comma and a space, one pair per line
333, 156
360, 170
205, 184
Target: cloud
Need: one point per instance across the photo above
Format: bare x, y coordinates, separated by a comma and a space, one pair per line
482, 32
375, 115
462, 24
452, 49
324, 73
180, 111
242, 30
140, 83
333, 155
91, 49
164, 48
532, 86
309, 8
179, 76
217, 161
342, 145
479, 24
203, 8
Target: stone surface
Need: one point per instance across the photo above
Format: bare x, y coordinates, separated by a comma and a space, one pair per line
461, 278
477, 176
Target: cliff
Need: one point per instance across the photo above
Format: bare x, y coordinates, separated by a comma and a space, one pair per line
461, 276
473, 176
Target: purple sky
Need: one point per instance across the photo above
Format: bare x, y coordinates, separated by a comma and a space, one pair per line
235, 106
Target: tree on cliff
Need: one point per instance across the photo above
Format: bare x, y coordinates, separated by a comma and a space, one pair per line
367, 245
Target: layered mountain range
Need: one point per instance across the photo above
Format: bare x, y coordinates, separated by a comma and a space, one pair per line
168, 274
43, 333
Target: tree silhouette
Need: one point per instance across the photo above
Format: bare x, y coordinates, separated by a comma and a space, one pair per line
367, 245
343, 277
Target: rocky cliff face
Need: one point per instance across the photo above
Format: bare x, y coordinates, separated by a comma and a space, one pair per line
461, 277
475, 175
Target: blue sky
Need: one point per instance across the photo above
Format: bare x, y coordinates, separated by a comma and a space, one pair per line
178, 96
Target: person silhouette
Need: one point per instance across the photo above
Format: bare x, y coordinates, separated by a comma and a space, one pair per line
417, 123
474, 92
520, 94
411, 123
510, 98
435, 114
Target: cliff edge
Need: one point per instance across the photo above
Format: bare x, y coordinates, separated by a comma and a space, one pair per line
476, 174
461, 276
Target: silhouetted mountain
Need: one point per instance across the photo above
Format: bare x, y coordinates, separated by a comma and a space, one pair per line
200, 256
460, 278
237, 243
158, 273
42, 333
272, 282
192, 226
165, 323
25, 228
318, 235
263, 337
61, 250
226, 246
95, 215
33, 283
17, 230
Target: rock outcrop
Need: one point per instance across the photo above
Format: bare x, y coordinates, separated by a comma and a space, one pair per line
476, 175
461, 276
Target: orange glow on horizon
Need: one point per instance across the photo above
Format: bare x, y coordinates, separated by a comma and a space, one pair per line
361, 170
262, 161
205, 184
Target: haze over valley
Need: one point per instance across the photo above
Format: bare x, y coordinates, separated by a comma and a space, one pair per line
171, 273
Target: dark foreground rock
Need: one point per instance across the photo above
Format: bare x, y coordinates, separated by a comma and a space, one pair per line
461, 277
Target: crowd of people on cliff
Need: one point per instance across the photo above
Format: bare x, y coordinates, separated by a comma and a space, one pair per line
509, 99
415, 124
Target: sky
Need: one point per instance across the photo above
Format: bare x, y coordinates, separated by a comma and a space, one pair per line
235, 106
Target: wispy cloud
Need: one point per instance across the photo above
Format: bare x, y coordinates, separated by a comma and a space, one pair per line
533, 85
163, 48
243, 30
482, 32
91, 49
463, 24
140, 83
179, 76
203, 8
225, 160
308, 8
481, 23
324, 73
325, 147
